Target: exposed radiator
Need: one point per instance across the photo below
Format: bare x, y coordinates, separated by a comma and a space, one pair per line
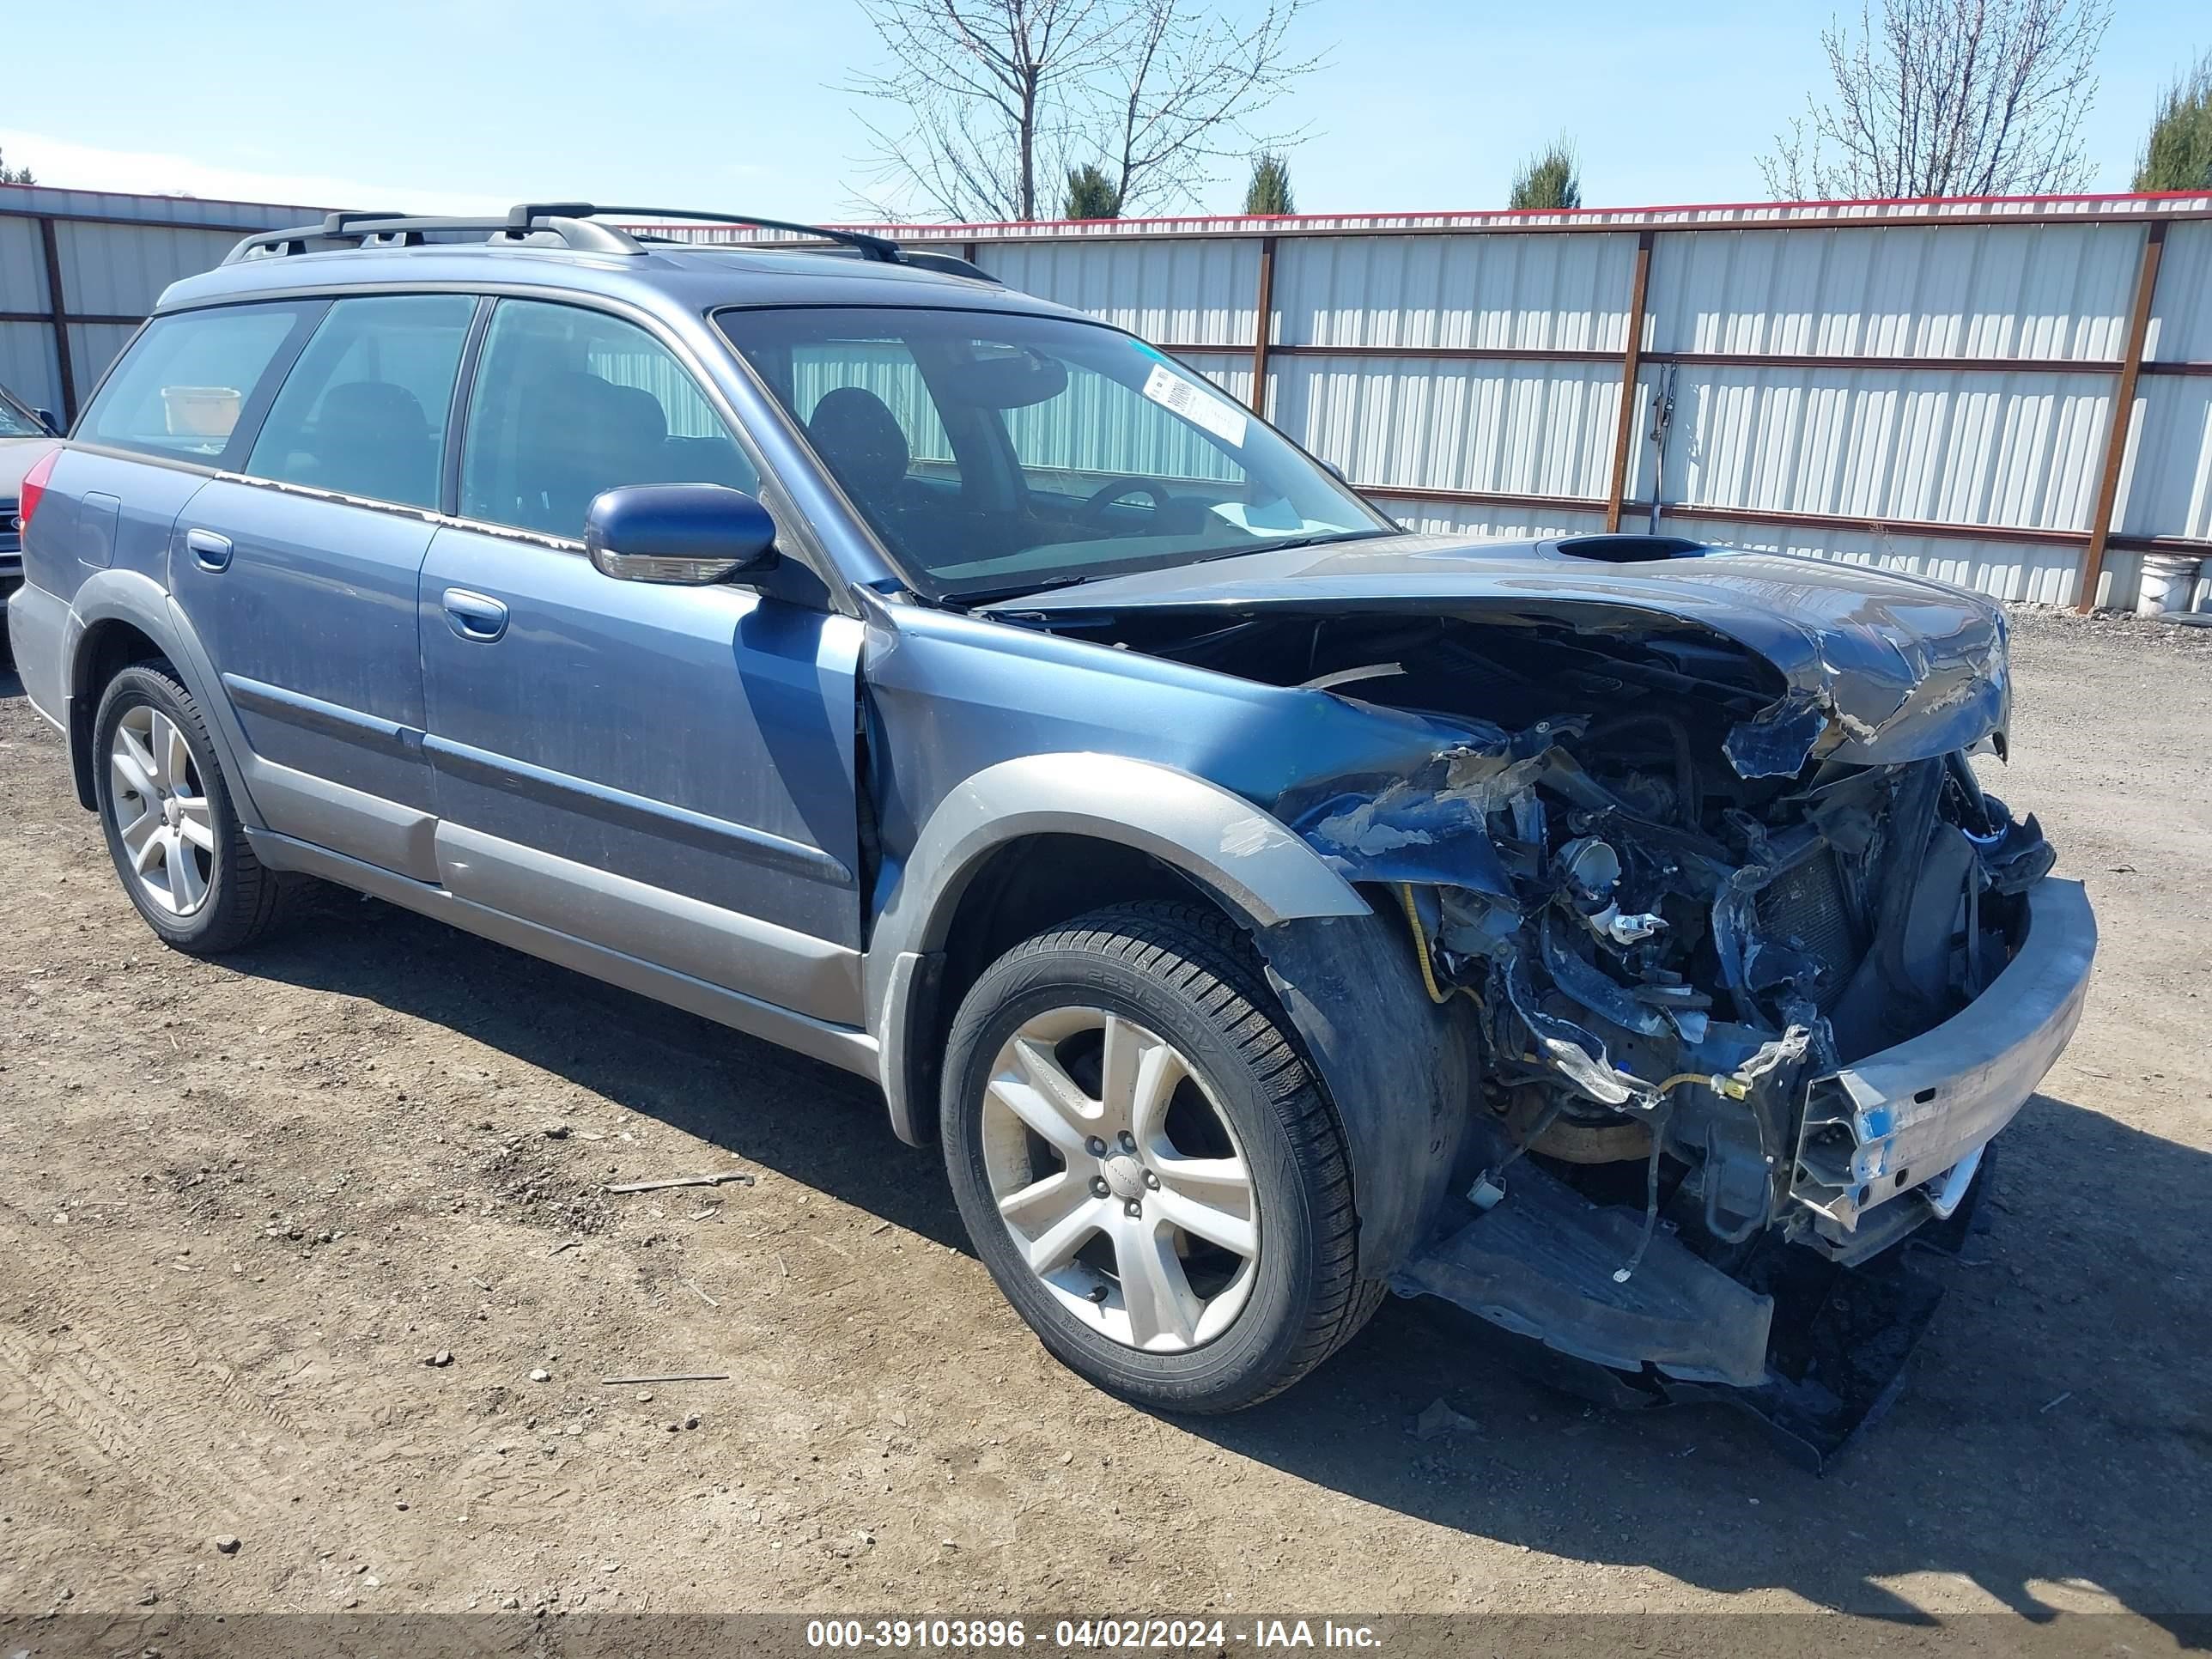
1805, 907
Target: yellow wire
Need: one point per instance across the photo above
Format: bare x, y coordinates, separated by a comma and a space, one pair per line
1709, 1080
1421, 950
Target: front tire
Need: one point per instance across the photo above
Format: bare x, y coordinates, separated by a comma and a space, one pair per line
177, 842
1145, 1164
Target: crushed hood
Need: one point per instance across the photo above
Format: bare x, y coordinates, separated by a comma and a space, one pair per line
1877, 667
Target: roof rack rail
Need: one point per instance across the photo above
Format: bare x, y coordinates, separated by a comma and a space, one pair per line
572, 223
881, 249
525, 222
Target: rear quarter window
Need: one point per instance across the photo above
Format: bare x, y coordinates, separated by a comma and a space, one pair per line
189, 378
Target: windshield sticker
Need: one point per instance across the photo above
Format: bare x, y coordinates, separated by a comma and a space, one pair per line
1200, 408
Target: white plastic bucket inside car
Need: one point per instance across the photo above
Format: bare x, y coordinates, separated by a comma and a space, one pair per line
201, 411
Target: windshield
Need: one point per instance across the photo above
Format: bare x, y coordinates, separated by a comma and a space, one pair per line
995, 453
16, 421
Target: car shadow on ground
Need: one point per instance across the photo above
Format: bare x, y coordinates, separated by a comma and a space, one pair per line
2056, 1430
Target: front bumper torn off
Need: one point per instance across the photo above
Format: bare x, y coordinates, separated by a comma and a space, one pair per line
1540, 1262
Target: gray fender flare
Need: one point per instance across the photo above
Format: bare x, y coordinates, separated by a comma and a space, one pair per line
130, 596
1262, 872
1399, 1070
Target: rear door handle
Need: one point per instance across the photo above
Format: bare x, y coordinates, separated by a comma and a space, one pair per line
213, 552
476, 616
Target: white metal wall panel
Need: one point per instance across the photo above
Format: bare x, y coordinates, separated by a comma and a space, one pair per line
1522, 292
1497, 523
2166, 490
2000, 447
1173, 292
120, 270
27, 364
93, 347
2020, 449
2181, 321
2008, 570
22, 266
1526, 428
1972, 291
155, 209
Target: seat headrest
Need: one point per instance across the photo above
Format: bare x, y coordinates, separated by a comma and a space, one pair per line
859, 439
643, 420
373, 406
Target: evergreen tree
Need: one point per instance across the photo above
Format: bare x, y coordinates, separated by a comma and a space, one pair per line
1552, 179
2177, 154
1269, 192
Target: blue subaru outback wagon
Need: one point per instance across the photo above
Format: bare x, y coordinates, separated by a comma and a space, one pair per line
1265, 907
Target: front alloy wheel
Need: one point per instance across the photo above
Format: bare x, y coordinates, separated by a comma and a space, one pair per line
1146, 1163
1118, 1179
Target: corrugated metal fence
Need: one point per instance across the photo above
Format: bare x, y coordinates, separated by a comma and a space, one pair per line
80, 269
1924, 385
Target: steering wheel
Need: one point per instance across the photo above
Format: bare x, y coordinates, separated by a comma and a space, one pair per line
1114, 489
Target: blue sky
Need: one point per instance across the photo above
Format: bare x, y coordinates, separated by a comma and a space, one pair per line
1425, 104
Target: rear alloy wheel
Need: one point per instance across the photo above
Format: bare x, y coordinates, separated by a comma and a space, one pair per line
177, 842
160, 812
1145, 1164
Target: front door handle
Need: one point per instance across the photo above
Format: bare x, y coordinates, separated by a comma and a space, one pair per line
213, 552
476, 616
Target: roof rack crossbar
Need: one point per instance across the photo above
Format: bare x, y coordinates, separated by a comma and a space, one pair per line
524, 220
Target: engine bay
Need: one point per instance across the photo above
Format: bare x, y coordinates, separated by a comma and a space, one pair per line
1665, 936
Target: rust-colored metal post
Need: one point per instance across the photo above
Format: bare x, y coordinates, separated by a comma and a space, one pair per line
1632, 365
58, 310
1263, 327
2123, 415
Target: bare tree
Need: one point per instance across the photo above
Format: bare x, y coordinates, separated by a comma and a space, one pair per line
983, 88
987, 101
1948, 98
1189, 84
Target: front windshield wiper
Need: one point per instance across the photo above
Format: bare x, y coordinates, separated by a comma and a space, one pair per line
974, 596
1319, 538
1069, 579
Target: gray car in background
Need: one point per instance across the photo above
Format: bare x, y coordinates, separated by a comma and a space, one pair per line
1266, 908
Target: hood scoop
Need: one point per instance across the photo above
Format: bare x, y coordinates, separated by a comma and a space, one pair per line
1629, 549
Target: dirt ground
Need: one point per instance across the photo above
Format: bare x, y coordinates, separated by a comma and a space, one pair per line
244, 1203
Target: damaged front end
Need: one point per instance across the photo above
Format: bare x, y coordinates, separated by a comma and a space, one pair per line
1671, 965
1680, 956
1752, 967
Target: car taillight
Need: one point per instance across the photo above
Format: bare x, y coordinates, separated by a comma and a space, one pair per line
35, 486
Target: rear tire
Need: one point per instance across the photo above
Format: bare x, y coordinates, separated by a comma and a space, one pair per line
1145, 1164
165, 806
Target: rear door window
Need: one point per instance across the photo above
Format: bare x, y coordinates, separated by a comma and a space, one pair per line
363, 411
189, 378
568, 402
